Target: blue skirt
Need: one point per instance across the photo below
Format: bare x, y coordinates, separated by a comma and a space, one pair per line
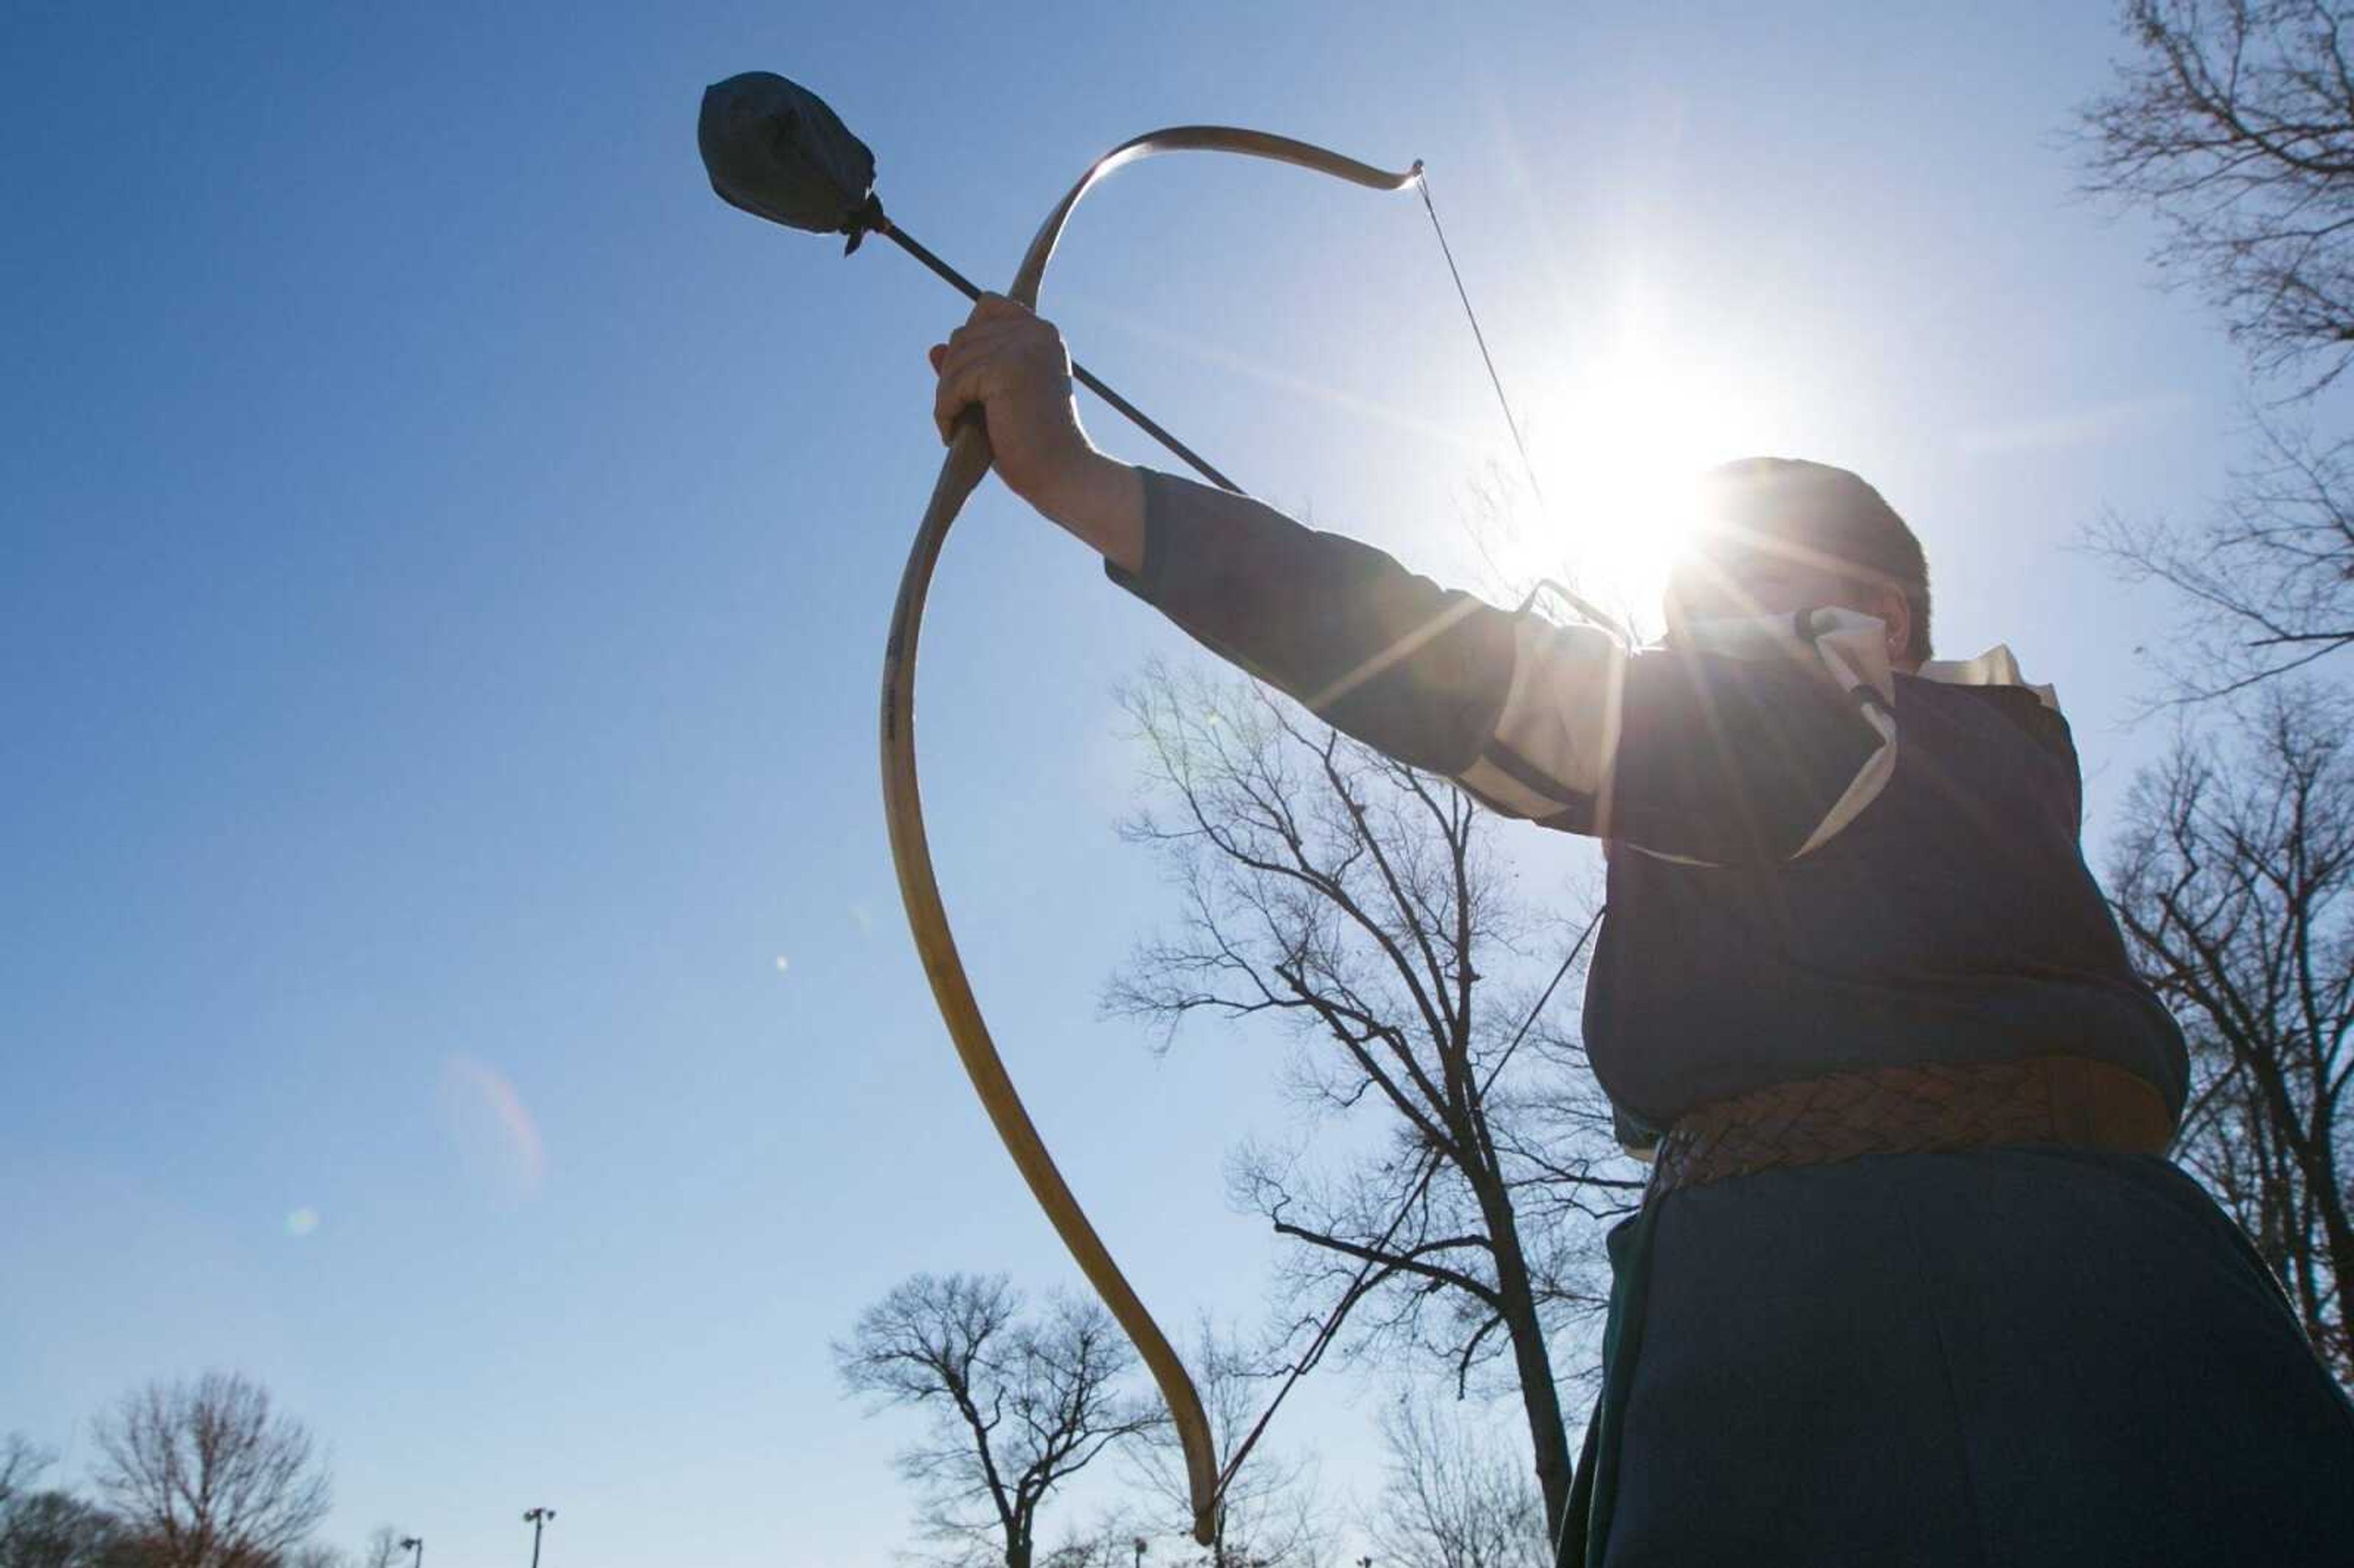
2017, 1356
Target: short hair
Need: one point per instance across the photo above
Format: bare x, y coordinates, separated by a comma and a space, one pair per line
1824, 515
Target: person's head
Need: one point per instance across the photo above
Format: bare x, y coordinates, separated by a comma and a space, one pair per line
1777, 535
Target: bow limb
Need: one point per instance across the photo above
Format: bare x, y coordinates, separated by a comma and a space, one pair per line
968, 460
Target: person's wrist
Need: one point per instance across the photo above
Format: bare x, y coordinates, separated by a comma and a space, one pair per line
1100, 501
1078, 487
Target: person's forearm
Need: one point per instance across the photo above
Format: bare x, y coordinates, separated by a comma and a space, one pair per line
1100, 501
1387, 656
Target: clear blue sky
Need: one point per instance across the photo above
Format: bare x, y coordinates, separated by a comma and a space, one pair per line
449, 961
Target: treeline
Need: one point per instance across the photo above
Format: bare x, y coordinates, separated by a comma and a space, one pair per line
1017, 1399
2232, 127
190, 1474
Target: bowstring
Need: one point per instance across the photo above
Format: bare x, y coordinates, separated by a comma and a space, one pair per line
1357, 1287
1330, 1328
1422, 185
1576, 600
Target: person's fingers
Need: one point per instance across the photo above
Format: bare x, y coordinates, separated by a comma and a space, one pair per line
966, 377
936, 353
1000, 331
955, 362
946, 404
961, 357
974, 365
986, 356
994, 313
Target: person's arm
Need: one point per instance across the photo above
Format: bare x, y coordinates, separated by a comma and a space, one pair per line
1099, 501
1736, 755
1415, 670
1727, 760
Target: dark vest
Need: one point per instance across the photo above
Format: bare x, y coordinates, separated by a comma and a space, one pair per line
1954, 921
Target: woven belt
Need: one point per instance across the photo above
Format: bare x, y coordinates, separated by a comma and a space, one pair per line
1913, 1110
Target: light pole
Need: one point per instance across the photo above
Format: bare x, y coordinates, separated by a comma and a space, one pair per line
537, 1519
414, 1543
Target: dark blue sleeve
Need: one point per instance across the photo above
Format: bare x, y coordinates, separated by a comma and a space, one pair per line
1715, 758
1413, 669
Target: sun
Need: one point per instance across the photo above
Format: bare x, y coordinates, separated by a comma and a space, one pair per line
1619, 447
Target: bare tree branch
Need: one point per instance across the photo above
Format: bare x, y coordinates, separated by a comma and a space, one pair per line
2234, 885
1017, 1405
210, 1474
2265, 579
1354, 901
1453, 1500
2234, 126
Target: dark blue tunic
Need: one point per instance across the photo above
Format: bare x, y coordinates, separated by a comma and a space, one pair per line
2009, 1356
1953, 921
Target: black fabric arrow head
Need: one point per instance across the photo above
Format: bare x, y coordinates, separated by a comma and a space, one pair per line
776, 150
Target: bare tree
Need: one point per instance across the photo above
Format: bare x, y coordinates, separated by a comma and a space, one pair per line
208, 1474
1355, 901
2234, 882
54, 1529
1454, 1498
383, 1549
1016, 1404
45, 1527
22, 1461
1112, 1540
1267, 1514
2265, 578
2234, 126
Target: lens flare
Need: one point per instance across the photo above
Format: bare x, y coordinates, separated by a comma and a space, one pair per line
492, 1134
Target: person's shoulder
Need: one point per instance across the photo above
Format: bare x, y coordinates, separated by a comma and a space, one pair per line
1993, 710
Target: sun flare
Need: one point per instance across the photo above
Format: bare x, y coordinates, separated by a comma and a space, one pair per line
1619, 446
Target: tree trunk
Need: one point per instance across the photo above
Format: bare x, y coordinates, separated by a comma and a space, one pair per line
1532, 1359
2338, 1232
